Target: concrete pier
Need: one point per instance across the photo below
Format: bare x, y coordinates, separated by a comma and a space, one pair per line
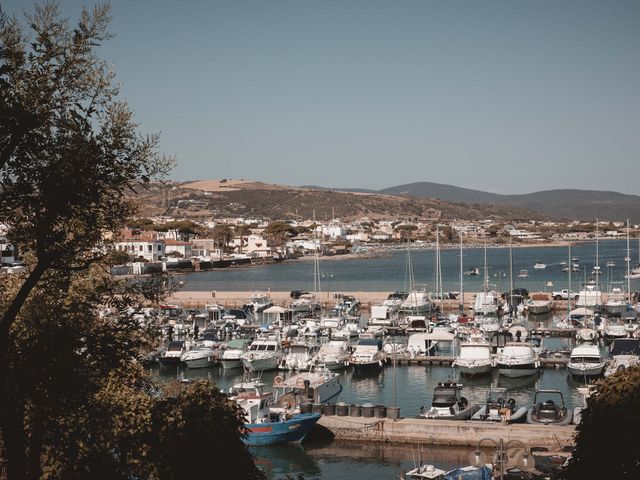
446, 432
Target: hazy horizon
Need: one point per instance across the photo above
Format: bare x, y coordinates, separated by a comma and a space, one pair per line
499, 96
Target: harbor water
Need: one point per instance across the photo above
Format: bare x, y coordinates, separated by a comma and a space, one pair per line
388, 272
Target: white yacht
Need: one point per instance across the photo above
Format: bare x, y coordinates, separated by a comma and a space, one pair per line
625, 353
231, 357
417, 303
307, 302
332, 319
517, 359
539, 265
263, 354
394, 300
420, 344
318, 386
475, 356
616, 302
201, 357
613, 330
486, 303
539, 303
523, 273
589, 296
368, 354
586, 361
334, 355
260, 302
300, 355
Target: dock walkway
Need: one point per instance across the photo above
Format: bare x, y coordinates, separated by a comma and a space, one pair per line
446, 432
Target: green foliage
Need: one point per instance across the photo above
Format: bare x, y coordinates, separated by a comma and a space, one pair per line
74, 402
117, 257
606, 440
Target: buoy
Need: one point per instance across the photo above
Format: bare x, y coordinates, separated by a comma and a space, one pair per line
279, 380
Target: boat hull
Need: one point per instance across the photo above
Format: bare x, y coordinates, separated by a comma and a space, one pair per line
204, 362
516, 371
586, 370
290, 431
471, 370
519, 416
261, 364
169, 361
230, 363
366, 367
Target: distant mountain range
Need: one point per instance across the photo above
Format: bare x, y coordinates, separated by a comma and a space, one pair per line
560, 204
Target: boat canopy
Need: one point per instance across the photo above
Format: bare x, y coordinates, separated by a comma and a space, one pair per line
238, 343
374, 342
274, 309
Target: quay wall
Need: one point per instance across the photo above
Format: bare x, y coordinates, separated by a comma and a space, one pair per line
199, 299
446, 432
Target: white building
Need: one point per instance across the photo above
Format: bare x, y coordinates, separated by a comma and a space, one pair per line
181, 248
152, 250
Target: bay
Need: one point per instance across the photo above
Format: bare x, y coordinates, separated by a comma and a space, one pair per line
388, 272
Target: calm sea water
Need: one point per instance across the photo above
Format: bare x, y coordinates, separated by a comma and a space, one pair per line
407, 386
388, 273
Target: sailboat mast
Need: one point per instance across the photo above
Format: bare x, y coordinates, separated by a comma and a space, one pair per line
486, 273
597, 258
510, 271
628, 260
569, 295
461, 277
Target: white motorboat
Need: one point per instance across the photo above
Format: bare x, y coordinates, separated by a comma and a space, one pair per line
260, 302
334, 355
586, 335
488, 325
472, 271
368, 354
394, 301
613, 330
348, 305
307, 302
475, 356
625, 353
318, 386
173, 352
231, 357
417, 303
586, 361
486, 303
517, 359
589, 296
539, 303
300, 355
523, 273
201, 357
539, 266
332, 319
616, 302
383, 316
263, 354
448, 403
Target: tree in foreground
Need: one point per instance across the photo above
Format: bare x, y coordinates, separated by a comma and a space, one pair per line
74, 401
607, 437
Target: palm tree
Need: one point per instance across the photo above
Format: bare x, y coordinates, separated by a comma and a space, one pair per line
222, 234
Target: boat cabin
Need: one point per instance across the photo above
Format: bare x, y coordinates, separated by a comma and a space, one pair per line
447, 394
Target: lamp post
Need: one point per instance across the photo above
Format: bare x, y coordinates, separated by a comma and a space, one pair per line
525, 463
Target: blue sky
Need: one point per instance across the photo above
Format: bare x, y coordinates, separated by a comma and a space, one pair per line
505, 96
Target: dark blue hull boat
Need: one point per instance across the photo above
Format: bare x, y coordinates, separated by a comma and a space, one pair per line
288, 431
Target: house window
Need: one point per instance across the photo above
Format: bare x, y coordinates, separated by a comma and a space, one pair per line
150, 248
159, 247
140, 248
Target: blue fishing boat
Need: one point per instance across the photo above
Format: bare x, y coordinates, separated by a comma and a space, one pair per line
265, 423
277, 428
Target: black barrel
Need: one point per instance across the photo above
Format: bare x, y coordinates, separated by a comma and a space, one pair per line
329, 409
306, 407
367, 410
317, 408
380, 411
355, 410
393, 413
342, 409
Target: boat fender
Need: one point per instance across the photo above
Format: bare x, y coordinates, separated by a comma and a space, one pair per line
511, 403
251, 356
380, 362
279, 380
